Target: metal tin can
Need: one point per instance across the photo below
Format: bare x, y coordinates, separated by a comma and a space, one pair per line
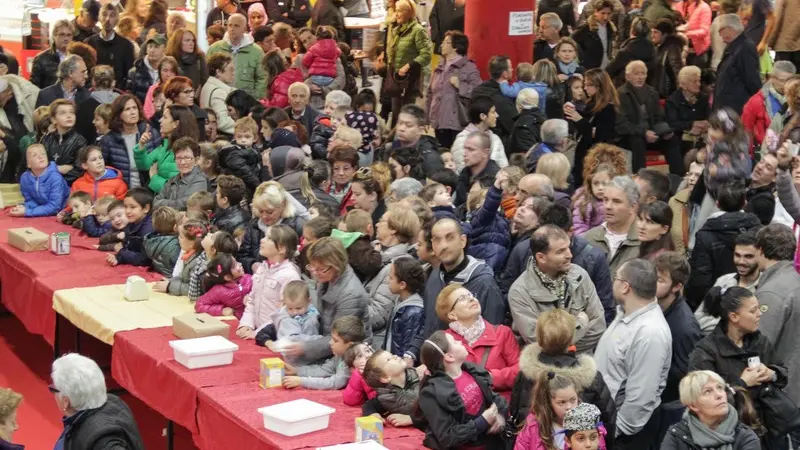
59, 243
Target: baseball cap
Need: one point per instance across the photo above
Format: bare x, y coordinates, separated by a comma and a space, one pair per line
158, 39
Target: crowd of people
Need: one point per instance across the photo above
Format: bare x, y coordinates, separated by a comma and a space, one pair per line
597, 249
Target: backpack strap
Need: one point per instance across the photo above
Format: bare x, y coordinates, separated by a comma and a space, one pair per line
485, 357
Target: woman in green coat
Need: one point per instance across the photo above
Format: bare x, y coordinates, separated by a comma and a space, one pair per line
409, 56
177, 121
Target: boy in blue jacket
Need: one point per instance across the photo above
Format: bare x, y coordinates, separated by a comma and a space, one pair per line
138, 202
44, 189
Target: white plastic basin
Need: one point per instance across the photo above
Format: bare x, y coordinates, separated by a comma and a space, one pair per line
203, 352
296, 417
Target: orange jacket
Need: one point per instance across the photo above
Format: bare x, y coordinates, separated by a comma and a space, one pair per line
111, 183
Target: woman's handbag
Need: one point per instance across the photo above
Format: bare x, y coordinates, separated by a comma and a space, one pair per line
778, 411
401, 85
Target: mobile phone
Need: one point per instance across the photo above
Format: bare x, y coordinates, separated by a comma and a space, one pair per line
753, 362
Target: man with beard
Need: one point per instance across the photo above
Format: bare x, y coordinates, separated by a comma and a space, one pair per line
747, 275
673, 272
448, 242
552, 281
760, 193
112, 49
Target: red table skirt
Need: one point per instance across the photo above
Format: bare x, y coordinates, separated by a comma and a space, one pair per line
228, 417
29, 279
143, 363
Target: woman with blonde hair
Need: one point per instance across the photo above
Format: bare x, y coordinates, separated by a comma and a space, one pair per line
9, 402
545, 72
556, 167
597, 121
272, 205
137, 10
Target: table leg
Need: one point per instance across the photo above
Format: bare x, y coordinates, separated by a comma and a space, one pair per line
170, 434
77, 340
57, 340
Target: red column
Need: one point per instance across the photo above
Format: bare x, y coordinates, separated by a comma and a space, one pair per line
488, 24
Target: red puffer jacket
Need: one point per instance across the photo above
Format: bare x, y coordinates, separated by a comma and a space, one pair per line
755, 118
279, 88
321, 58
503, 360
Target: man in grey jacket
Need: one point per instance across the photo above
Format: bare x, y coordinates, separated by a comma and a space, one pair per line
552, 281
190, 177
779, 294
634, 356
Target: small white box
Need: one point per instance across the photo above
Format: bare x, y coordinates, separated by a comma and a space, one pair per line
296, 417
363, 445
202, 352
136, 289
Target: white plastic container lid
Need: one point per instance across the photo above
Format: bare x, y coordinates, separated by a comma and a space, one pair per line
364, 445
209, 345
296, 410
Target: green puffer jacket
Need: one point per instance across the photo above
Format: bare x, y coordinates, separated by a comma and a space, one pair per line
250, 75
162, 250
411, 45
165, 159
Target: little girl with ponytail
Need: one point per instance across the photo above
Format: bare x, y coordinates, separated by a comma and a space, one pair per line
226, 285
457, 407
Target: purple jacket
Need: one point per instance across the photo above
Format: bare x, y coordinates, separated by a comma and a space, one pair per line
443, 98
594, 216
228, 295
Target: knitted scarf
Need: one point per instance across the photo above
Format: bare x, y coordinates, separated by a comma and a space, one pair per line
568, 69
720, 439
472, 333
774, 94
557, 287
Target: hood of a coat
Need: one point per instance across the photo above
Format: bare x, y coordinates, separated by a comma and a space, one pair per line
581, 368
390, 253
735, 222
327, 45
285, 159
104, 97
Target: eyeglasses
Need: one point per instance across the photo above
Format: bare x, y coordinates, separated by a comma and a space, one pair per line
312, 269
468, 297
187, 91
53, 389
621, 279
184, 158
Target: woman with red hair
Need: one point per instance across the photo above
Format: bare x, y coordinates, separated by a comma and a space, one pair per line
180, 91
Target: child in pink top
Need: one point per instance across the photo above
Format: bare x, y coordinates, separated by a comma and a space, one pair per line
357, 391
589, 211
227, 286
320, 59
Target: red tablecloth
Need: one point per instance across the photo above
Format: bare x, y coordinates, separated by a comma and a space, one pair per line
228, 417
29, 279
143, 363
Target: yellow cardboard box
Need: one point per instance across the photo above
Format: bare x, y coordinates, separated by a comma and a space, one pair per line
28, 239
271, 373
369, 428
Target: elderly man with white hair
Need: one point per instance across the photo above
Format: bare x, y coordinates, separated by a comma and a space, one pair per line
641, 123
767, 102
337, 105
72, 76
93, 419
250, 75
739, 73
299, 109
555, 138
618, 236
527, 127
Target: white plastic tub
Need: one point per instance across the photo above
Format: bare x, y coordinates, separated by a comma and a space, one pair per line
364, 445
204, 352
296, 417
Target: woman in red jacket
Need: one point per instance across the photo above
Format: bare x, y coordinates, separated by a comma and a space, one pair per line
98, 180
492, 347
280, 78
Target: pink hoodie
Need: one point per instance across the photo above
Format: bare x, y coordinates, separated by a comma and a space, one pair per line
267, 293
529, 439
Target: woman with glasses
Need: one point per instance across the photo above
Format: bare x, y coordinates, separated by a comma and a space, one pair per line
344, 163
272, 205
91, 415
493, 347
180, 91
340, 294
190, 177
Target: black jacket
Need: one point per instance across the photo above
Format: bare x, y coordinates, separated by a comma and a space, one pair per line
593, 129
117, 53
249, 250
590, 46
506, 109
712, 256
761, 202
55, 91
633, 49
13, 64
465, 180
327, 199
445, 16
391, 399
716, 352
110, 426
45, 68
738, 75
680, 114
194, 67
327, 13
298, 12
581, 369
563, 8
441, 414
321, 134
217, 17
84, 120
63, 150
308, 119
542, 50
629, 119
686, 333
527, 131
679, 437
231, 218
428, 148
139, 80
242, 162
668, 64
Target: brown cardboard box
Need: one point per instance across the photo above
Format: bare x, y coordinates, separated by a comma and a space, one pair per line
28, 239
190, 326
10, 195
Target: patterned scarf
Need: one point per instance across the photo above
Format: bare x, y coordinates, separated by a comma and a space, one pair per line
472, 333
557, 287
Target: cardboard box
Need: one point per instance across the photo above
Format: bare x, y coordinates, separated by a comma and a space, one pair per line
369, 428
191, 326
28, 239
271, 372
10, 195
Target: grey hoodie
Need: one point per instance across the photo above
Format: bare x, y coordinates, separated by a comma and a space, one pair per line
104, 97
